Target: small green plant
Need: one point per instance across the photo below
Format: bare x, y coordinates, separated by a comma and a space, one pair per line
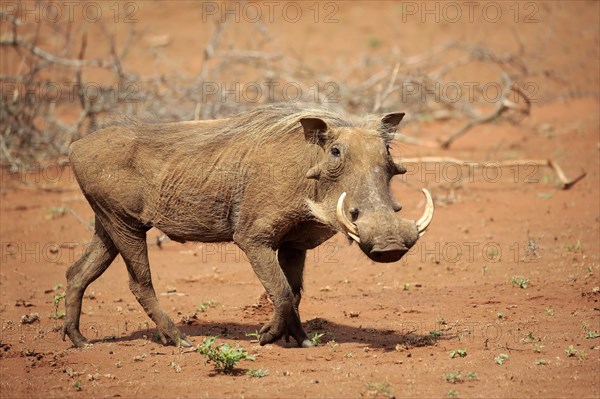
77, 385
592, 335
255, 335
501, 358
333, 346
520, 281
500, 315
374, 42
205, 305
541, 362
58, 314
484, 269
406, 286
435, 333
493, 254
577, 247
224, 357
454, 377
550, 311
528, 338
316, 338
380, 388
452, 394
260, 373
458, 352
571, 351
348, 355
471, 375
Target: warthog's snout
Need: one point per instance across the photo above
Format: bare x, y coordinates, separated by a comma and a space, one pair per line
393, 244
387, 252
381, 236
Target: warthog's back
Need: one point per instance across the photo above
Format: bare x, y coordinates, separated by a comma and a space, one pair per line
156, 174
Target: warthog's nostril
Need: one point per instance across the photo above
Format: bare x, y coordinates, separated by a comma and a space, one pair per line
388, 253
354, 213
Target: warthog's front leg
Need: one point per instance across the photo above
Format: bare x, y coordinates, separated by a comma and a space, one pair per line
285, 320
292, 261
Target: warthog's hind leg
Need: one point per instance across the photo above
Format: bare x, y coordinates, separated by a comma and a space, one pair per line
95, 260
132, 247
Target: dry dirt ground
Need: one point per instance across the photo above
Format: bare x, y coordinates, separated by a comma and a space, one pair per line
389, 329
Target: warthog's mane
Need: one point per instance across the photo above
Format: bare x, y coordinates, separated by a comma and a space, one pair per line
279, 122
255, 127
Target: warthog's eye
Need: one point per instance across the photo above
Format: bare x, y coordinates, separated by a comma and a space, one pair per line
335, 152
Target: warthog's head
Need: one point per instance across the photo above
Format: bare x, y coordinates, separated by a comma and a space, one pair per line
353, 174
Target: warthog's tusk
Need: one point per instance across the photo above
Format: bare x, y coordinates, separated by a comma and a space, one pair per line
424, 221
350, 227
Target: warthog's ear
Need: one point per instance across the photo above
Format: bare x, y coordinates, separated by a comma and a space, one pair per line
315, 130
390, 122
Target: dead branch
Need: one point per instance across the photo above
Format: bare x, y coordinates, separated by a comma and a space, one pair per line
566, 183
502, 106
391, 87
56, 59
210, 48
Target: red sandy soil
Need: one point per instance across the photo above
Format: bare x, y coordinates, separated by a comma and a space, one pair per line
377, 318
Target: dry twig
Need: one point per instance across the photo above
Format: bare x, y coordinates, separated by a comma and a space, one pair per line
566, 183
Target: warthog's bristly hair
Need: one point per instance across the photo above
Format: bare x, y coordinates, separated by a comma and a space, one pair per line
278, 122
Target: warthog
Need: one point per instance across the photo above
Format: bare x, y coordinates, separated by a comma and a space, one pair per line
277, 181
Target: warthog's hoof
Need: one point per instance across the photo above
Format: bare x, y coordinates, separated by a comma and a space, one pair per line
175, 338
269, 334
78, 340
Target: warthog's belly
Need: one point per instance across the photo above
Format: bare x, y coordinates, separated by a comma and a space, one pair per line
207, 224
